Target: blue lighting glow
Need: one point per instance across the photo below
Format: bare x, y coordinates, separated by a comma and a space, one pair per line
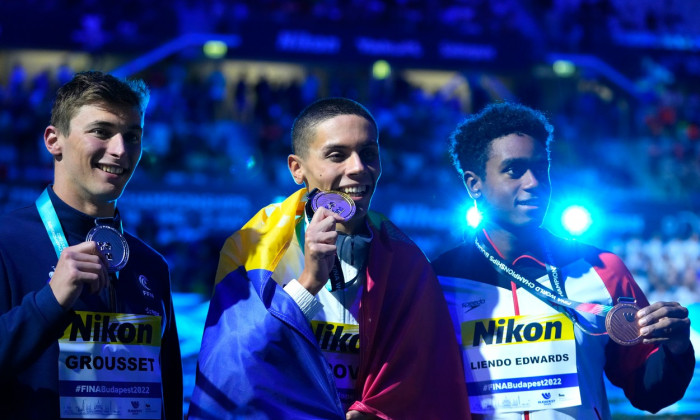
250, 162
473, 217
576, 220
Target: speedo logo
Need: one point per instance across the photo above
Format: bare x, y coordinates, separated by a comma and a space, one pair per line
518, 329
95, 327
342, 338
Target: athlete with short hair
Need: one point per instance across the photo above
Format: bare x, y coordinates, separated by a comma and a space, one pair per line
332, 312
87, 328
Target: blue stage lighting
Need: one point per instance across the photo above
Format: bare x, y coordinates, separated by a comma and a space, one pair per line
473, 217
250, 162
576, 220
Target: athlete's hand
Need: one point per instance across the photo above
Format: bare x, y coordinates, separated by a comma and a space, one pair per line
665, 322
319, 249
356, 415
79, 266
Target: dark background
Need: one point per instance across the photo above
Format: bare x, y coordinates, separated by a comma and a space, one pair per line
617, 78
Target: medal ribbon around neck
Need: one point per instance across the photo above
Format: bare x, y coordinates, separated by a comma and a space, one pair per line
339, 203
545, 294
58, 238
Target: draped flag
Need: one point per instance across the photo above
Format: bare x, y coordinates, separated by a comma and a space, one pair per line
260, 359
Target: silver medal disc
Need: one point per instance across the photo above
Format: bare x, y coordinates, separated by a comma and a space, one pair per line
111, 244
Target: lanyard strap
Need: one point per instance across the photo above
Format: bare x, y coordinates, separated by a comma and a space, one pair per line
545, 294
58, 239
337, 279
50, 219
53, 226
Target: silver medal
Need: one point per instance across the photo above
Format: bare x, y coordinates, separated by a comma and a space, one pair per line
111, 244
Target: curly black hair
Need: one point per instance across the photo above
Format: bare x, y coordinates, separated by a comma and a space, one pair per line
470, 141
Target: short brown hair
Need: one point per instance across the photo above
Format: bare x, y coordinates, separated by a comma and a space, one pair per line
94, 87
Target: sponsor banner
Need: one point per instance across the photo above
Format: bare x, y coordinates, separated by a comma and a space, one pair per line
509, 361
102, 408
337, 338
340, 344
94, 327
517, 330
109, 363
527, 401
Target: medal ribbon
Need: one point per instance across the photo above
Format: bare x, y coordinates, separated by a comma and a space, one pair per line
53, 226
336, 274
50, 219
545, 294
58, 239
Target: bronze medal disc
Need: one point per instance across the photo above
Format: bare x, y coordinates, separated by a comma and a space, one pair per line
621, 324
111, 244
335, 201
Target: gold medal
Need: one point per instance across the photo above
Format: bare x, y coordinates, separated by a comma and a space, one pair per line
335, 201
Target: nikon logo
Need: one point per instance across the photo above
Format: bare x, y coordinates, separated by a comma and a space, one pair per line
509, 331
96, 327
343, 338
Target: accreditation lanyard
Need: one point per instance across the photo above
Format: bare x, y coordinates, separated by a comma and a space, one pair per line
543, 293
50, 219
58, 239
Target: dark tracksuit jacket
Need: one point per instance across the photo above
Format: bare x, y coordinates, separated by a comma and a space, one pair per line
31, 320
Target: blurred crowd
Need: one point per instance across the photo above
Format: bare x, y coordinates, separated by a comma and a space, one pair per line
213, 130
667, 268
570, 25
207, 132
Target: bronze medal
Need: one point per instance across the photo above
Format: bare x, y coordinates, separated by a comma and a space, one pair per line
621, 324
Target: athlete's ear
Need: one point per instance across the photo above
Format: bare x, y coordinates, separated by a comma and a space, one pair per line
473, 183
296, 168
52, 142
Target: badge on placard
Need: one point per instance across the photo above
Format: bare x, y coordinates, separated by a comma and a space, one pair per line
111, 244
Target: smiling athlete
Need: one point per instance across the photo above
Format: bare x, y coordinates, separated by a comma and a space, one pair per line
87, 327
529, 308
283, 342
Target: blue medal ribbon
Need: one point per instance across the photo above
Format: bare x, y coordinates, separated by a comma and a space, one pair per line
50, 219
48, 216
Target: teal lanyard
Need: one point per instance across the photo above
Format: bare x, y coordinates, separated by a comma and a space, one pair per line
58, 238
53, 226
